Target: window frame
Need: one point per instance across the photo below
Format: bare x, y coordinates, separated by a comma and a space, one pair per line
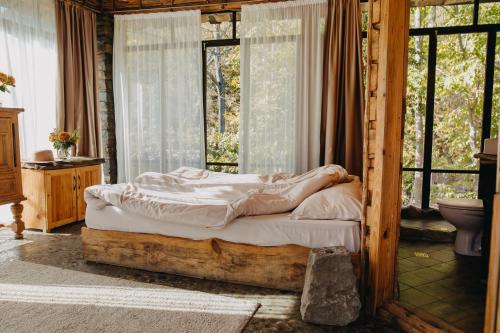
432, 33
234, 41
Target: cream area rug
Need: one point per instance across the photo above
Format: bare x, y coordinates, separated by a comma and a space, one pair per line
47, 299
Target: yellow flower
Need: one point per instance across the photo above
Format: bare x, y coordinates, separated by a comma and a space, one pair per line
7, 79
52, 137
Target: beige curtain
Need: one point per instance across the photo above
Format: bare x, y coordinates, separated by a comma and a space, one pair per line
342, 102
77, 104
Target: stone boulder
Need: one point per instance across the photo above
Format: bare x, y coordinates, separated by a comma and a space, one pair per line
330, 294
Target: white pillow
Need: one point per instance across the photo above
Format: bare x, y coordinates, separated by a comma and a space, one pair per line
340, 202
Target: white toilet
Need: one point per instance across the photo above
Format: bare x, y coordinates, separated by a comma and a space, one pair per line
467, 215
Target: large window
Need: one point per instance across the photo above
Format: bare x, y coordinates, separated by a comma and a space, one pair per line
453, 102
221, 81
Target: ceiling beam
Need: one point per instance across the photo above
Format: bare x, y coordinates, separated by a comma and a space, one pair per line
145, 6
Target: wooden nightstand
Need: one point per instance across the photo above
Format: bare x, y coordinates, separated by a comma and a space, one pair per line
54, 191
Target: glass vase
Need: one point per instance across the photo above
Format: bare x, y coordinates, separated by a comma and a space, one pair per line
64, 154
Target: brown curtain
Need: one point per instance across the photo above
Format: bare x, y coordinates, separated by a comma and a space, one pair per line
77, 105
342, 104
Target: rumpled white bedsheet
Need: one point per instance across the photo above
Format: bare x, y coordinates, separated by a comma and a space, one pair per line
211, 199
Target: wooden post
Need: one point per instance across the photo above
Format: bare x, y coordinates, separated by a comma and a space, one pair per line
492, 313
384, 120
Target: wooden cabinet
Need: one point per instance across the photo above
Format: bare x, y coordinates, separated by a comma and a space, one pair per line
85, 177
11, 190
55, 197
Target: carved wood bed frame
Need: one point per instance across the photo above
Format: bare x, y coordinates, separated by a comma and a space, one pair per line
277, 267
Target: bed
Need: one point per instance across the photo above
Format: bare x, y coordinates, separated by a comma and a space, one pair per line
269, 250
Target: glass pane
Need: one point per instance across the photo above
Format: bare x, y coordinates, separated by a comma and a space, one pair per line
238, 24
414, 133
223, 103
458, 103
412, 188
223, 168
217, 26
453, 185
489, 12
441, 16
495, 110
364, 20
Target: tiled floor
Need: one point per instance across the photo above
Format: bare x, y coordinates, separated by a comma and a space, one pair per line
434, 279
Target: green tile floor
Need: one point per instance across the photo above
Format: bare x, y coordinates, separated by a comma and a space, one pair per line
434, 279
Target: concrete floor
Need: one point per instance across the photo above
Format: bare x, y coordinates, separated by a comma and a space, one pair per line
279, 311
434, 279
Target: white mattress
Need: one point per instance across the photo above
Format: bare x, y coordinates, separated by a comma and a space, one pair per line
264, 230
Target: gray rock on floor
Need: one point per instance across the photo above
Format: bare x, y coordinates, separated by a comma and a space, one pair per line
330, 294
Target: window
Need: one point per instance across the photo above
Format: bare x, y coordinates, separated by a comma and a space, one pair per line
441, 16
221, 82
452, 99
489, 12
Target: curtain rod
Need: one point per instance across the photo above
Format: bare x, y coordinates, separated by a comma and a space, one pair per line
81, 5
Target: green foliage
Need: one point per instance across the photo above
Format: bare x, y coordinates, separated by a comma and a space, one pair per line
458, 106
222, 146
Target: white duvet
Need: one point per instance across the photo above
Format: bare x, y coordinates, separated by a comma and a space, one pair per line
211, 199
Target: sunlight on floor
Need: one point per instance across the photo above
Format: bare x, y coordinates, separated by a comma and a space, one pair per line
141, 298
273, 306
7, 241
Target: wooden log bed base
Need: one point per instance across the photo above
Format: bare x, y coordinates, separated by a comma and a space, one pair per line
277, 267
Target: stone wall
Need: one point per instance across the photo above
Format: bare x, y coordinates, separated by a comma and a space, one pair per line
105, 26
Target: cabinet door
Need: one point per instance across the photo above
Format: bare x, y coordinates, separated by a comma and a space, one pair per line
61, 186
7, 149
86, 176
9, 168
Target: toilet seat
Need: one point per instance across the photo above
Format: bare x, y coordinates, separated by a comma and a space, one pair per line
459, 203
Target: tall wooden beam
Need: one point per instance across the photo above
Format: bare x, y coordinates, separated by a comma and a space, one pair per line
387, 59
492, 315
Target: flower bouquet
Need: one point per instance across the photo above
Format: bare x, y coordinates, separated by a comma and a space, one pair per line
62, 141
6, 81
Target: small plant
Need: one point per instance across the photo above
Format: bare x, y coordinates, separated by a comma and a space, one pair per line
6, 81
62, 141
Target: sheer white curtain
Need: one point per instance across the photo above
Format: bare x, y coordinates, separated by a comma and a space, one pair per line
28, 51
281, 73
157, 74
